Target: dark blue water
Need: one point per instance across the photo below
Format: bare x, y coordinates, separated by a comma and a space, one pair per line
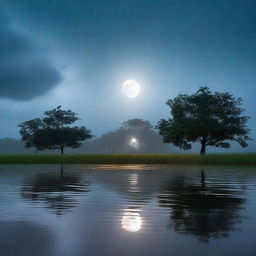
127, 210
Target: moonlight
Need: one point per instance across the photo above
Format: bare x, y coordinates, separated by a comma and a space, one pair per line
131, 88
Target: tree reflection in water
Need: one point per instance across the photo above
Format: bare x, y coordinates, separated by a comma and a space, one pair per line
57, 191
204, 211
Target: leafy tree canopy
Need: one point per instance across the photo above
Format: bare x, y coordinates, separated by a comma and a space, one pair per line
137, 124
211, 119
58, 118
53, 132
119, 140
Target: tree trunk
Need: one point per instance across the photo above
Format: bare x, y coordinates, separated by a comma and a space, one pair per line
203, 148
62, 150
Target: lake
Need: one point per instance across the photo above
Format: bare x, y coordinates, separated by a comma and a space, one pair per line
75, 210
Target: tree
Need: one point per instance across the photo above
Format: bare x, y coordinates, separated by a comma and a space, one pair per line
53, 132
121, 140
209, 118
137, 124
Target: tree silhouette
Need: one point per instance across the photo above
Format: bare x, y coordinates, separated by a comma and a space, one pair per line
118, 141
53, 132
209, 118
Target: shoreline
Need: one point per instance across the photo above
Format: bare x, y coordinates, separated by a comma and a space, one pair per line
241, 159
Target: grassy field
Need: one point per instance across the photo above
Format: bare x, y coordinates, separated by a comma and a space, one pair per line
189, 159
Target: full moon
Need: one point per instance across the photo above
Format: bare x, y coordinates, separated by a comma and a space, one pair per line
131, 88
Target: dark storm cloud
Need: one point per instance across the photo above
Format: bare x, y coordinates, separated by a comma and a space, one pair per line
203, 40
24, 73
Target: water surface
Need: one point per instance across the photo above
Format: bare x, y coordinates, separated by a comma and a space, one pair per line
127, 210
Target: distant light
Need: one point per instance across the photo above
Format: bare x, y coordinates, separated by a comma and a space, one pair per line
131, 88
134, 142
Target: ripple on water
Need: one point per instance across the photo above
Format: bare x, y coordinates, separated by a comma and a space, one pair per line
127, 209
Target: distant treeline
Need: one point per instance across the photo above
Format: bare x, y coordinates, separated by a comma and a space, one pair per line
14, 146
117, 141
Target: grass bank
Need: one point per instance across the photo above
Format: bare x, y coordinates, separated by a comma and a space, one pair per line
189, 159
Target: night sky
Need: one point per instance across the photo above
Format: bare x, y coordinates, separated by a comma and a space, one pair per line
77, 53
